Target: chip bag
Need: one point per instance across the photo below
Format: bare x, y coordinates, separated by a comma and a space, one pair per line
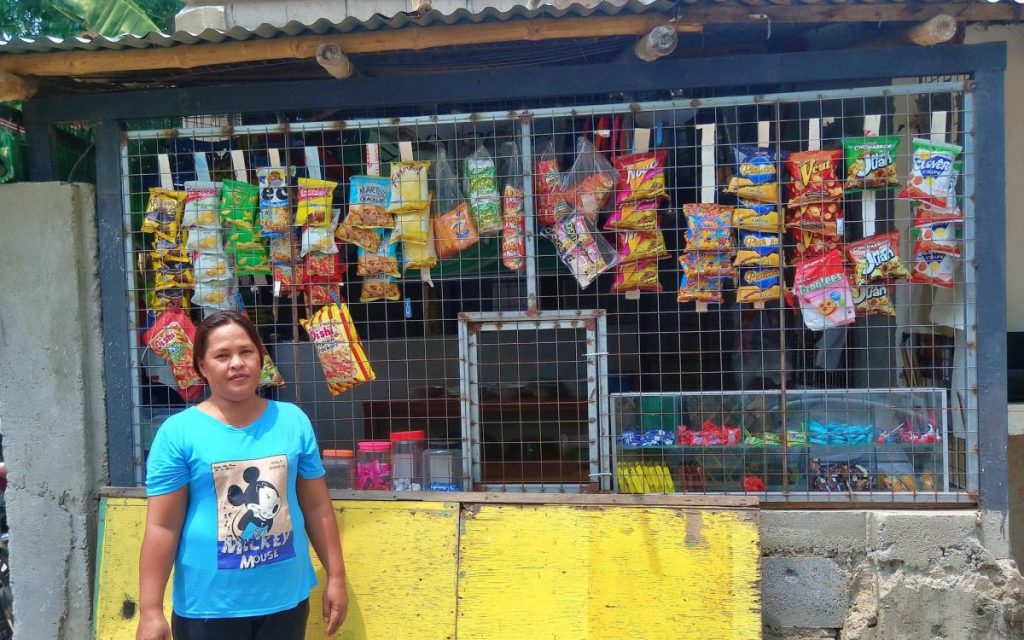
419, 256
699, 288
379, 288
933, 174
368, 201
641, 177
757, 249
943, 237
212, 266
314, 202
823, 291
513, 215
323, 267
202, 200
814, 176
873, 300
282, 248
813, 244
251, 262
641, 275
708, 227
366, 239
821, 217
547, 187
756, 179
934, 268
163, 212
759, 217
454, 229
481, 188
204, 240
639, 215
238, 202
581, 248
319, 294
588, 185
337, 345
275, 210
923, 214
318, 239
759, 285
641, 245
876, 259
411, 226
270, 375
382, 262
171, 337
870, 163
409, 188
708, 264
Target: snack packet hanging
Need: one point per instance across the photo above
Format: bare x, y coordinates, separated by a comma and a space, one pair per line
876, 259
275, 210
171, 337
419, 256
319, 294
756, 179
943, 237
641, 215
641, 177
202, 200
581, 248
217, 295
708, 227
368, 201
173, 278
823, 291
513, 214
757, 249
481, 188
205, 240
409, 188
318, 239
379, 288
163, 212
708, 264
547, 187
251, 262
454, 231
270, 375
314, 202
588, 185
367, 239
871, 163
337, 345
382, 262
821, 217
641, 245
933, 174
699, 288
411, 226
923, 214
811, 244
641, 275
288, 277
282, 248
323, 267
759, 285
212, 266
238, 201
814, 176
759, 217
873, 300
934, 268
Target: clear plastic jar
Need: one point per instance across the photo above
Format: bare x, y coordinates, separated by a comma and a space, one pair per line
373, 465
407, 459
442, 469
340, 465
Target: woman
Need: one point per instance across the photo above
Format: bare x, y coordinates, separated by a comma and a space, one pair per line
235, 485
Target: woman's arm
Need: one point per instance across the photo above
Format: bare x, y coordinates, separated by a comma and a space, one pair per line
165, 515
322, 529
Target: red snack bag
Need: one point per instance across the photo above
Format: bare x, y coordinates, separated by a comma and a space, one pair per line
513, 216
547, 184
636, 276
171, 337
641, 176
822, 217
923, 214
943, 237
814, 176
934, 268
876, 259
811, 244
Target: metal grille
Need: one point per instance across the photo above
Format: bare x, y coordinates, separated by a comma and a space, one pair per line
540, 384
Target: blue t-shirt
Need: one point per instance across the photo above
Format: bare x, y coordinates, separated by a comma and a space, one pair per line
243, 548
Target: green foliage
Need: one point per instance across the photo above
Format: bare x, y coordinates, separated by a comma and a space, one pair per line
67, 18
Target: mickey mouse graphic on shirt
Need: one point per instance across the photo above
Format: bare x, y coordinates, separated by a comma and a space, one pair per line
262, 502
254, 524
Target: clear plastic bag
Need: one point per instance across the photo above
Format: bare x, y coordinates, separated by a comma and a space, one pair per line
513, 216
481, 180
588, 185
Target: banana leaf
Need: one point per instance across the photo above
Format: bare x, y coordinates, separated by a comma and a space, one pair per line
109, 18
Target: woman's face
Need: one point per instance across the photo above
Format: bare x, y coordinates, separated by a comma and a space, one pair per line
231, 364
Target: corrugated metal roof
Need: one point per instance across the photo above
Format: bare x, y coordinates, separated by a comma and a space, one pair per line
323, 27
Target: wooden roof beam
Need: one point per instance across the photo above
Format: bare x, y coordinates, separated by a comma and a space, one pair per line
84, 63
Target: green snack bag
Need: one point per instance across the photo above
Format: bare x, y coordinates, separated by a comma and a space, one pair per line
482, 191
870, 163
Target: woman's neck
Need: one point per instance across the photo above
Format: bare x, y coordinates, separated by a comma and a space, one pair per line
237, 413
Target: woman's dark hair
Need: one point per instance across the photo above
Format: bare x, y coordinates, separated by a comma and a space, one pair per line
220, 319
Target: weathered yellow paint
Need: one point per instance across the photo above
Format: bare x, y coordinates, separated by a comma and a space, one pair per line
519, 571
572, 572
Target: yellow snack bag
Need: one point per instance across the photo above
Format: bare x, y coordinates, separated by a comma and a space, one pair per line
338, 347
315, 198
409, 189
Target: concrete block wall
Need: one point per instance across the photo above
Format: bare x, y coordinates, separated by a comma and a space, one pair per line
51, 403
889, 575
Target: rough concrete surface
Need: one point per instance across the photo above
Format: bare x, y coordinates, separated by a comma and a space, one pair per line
932, 575
807, 592
51, 403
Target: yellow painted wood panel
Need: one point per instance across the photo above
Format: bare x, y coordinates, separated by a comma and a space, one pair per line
400, 559
608, 572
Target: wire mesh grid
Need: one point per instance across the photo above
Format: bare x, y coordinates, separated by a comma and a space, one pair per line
581, 334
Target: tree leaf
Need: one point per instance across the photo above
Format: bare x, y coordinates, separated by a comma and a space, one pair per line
109, 18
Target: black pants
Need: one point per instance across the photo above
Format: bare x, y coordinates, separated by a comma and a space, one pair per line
284, 625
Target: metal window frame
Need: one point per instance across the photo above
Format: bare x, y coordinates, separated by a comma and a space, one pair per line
595, 323
985, 63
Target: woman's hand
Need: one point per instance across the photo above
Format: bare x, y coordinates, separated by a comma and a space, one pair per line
153, 626
335, 604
